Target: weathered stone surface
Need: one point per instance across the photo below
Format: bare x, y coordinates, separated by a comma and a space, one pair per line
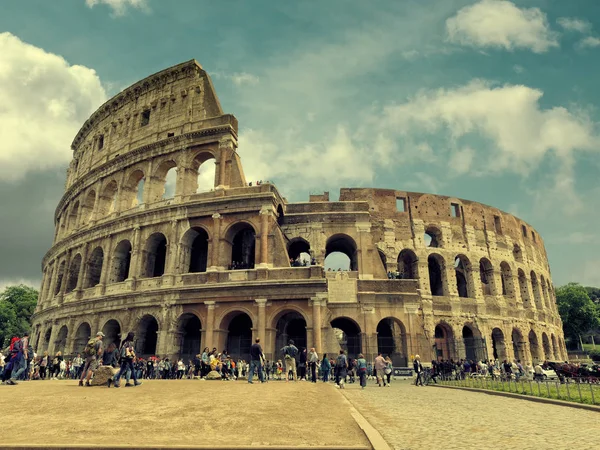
213, 375
102, 374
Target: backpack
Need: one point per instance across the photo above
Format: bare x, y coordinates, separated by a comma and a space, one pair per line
16, 345
341, 361
90, 348
290, 352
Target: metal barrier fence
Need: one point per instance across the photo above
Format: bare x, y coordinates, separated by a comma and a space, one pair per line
571, 389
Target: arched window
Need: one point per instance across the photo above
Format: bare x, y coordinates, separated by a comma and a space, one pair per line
299, 252
108, 200
73, 273
163, 184
508, 288
433, 237
408, 267
518, 344
94, 268
486, 274
437, 275
338, 245
498, 344
87, 208
536, 290
242, 238
133, 190
170, 184
73, 216
463, 273
195, 250
121, 262
59, 277
523, 288
156, 255
534, 347
206, 169
517, 253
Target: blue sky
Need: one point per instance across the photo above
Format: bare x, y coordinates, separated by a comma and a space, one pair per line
491, 100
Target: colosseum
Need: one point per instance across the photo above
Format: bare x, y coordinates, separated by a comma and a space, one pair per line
187, 267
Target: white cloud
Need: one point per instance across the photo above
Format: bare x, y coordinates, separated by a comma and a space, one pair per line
240, 79
589, 42
501, 24
574, 24
577, 237
4, 283
44, 102
461, 160
518, 69
119, 6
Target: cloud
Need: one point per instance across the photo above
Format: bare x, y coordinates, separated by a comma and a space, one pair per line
461, 160
4, 283
589, 42
240, 79
501, 24
44, 102
577, 237
574, 24
119, 6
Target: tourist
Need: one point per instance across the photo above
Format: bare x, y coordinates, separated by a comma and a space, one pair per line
302, 365
256, 357
325, 368
418, 368
56, 365
180, 369
279, 369
127, 354
313, 359
290, 351
389, 369
93, 351
341, 368
361, 366
380, 365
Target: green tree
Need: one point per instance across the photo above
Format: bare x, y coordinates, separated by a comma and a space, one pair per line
17, 304
577, 311
594, 294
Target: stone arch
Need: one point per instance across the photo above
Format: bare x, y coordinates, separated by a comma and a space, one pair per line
112, 333
555, 349
87, 207
73, 275
237, 326
486, 274
132, 192
473, 342
535, 287
290, 323
408, 265
342, 243
81, 338
463, 272
155, 255
544, 289
518, 344
121, 262
523, 289
499, 344
147, 336
299, 250
73, 216
444, 341
60, 274
392, 340
347, 333
546, 347
107, 203
534, 347
205, 169
47, 336
517, 253
551, 299
433, 237
188, 334
437, 274
508, 286
194, 250
241, 239
93, 273
60, 344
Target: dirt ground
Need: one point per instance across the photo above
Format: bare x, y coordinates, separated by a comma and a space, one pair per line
179, 413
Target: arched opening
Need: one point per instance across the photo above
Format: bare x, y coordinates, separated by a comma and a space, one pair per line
59, 277
121, 262
391, 340
544, 289
408, 265
195, 249
486, 274
189, 331
61, 340
291, 325
347, 333
432, 237
463, 273
344, 245
74, 269
82, 336
239, 336
444, 342
508, 288
243, 246
383, 259
280, 216
87, 208
94, 268
546, 346
47, 336
147, 336
518, 344
475, 347
108, 200
556, 352
72, 221
534, 347
299, 252
435, 264
536, 290
112, 333
498, 344
156, 255
523, 289
517, 253
132, 192
206, 170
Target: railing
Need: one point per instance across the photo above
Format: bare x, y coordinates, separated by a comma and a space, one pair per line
579, 390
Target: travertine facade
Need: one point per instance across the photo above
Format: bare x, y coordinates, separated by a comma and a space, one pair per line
472, 281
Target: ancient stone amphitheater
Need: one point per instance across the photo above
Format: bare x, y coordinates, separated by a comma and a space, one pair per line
185, 269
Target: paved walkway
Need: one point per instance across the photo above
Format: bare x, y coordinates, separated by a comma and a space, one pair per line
412, 417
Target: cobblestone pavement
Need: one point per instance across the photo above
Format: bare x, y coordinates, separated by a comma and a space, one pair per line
412, 417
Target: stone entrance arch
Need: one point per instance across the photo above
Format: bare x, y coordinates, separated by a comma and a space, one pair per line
444, 342
474, 343
519, 344
194, 248
534, 347
112, 333
147, 336
60, 344
290, 325
499, 345
237, 327
347, 335
82, 336
242, 240
391, 340
342, 244
546, 347
188, 336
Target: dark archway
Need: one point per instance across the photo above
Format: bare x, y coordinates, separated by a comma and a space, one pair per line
524, 289
432, 237
280, 216
156, 255
94, 268
474, 343
195, 247
112, 333
291, 325
239, 336
498, 344
47, 336
121, 262
82, 336
59, 277
546, 346
60, 343
486, 275
189, 333
74, 269
534, 347
518, 344
342, 243
444, 342
147, 336
298, 251
243, 247
435, 265
508, 288
408, 265
391, 340
348, 334
462, 270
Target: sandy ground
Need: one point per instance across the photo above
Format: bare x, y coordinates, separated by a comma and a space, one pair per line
179, 413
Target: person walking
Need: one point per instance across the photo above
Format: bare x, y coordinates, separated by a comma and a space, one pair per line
325, 368
127, 354
313, 359
361, 367
290, 351
389, 369
256, 357
418, 368
93, 351
341, 368
380, 366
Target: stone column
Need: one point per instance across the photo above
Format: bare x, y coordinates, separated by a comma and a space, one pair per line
210, 324
81, 275
216, 243
316, 304
262, 303
265, 214
365, 265
106, 265
136, 253
225, 148
65, 278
